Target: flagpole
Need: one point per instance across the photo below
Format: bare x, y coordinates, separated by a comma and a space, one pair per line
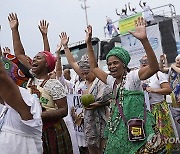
85, 10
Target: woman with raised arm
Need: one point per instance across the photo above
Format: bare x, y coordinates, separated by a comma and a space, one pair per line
156, 87
51, 92
174, 78
20, 118
95, 113
147, 12
132, 10
128, 95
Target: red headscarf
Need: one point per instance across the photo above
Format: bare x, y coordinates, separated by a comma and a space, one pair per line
50, 59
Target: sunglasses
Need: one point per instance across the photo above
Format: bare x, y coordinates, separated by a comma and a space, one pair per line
143, 61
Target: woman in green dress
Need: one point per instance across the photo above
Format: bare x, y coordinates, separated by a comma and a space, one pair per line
129, 95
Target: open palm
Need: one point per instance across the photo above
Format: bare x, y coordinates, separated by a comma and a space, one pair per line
13, 20
64, 38
140, 29
43, 26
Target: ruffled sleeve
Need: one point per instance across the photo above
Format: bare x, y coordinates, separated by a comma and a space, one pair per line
110, 81
35, 110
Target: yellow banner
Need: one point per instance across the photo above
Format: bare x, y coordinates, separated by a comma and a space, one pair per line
127, 24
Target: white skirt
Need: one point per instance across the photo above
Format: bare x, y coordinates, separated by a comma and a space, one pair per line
15, 142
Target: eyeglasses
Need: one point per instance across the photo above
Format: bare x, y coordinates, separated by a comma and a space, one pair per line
143, 61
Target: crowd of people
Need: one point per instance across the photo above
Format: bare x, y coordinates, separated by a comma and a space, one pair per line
129, 113
146, 10
128, 11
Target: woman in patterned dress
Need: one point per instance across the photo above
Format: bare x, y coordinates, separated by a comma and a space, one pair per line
158, 86
95, 114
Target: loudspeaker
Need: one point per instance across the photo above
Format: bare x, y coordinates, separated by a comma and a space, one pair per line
168, 40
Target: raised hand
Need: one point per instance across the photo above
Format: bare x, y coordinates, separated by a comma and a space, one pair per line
88, 34
6, 50
43, 27
64, 39
140, 29
13, 21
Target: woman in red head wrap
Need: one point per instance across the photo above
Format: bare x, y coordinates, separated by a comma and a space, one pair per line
50, 92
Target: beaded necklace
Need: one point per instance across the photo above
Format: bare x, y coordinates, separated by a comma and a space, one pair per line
113, 124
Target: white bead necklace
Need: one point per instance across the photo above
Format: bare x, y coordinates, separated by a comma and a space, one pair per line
113, 124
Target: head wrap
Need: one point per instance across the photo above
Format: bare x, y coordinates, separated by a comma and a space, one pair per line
11, 65
50, 59
178, 57
84, 62
121, 53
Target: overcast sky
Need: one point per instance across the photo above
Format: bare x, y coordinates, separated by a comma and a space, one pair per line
62, 15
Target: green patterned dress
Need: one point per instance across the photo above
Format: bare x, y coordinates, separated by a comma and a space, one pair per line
116, 130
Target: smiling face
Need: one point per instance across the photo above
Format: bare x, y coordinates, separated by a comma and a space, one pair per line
39, 63
116, 67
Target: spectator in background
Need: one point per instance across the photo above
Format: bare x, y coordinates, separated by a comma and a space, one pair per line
174, 77
148, 14
174, 80
65, 81
163, 64
123, 13
143, 63
63, 76
110, 29
132, 10
158, 86
67, 74
75, 108
95, 114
